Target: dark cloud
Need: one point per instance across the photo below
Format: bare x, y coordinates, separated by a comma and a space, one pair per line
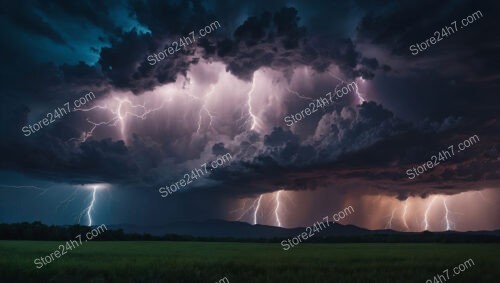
369, 148
219, 149
23, 15
126, 65
419, 104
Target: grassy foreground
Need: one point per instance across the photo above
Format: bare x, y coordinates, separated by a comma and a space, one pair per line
246, 262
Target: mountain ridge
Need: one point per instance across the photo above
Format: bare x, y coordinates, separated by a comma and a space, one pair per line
236, 229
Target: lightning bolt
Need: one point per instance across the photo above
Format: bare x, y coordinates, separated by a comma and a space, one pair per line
403, 216
43, 190
276, 209
449, 224
389, 223
256, 206
65, 202
68, 200
245, 210
483, 198
358, 94
256, 210
118, 116
426, 215
86, 135
24, 187
89, 208
298, 94
204, 108
255, 122
304, 97
124, 108
404, 209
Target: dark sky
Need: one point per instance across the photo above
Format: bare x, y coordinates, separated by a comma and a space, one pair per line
147, 125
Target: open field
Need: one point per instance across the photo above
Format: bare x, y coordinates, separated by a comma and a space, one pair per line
246, 262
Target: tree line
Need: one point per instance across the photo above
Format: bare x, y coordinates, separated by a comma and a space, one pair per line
38, 231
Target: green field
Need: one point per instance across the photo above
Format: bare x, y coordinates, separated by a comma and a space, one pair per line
246, 262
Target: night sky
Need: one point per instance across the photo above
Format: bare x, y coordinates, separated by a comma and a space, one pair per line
229, 91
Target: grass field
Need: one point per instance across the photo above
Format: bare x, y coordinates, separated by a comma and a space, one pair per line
247, 262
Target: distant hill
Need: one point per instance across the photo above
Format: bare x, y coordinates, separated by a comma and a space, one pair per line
220, 230
244, 230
